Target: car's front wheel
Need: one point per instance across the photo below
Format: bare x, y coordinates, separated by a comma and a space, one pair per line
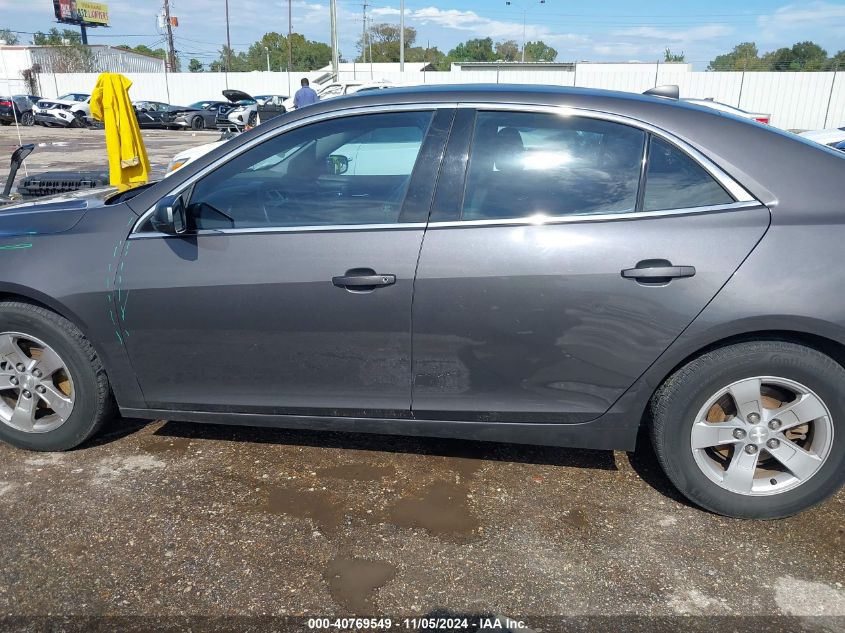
54, 393
753, 430
197, 123
27, 119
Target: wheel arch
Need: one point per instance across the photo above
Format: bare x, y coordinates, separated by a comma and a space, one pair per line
121, 377
15, 292
810, 333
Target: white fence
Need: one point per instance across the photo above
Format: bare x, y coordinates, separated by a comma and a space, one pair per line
795, 100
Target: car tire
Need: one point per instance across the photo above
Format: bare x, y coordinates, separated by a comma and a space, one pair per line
723, 458
197, 123
32, 332
5, 122
251, 120
78, 119
27, 119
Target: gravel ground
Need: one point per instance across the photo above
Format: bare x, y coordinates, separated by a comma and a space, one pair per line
175, 522
165, 518
59, 149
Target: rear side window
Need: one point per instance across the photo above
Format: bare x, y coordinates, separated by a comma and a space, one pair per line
676, 181
525, 164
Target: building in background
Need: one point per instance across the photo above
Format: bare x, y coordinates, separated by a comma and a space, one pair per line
23, 67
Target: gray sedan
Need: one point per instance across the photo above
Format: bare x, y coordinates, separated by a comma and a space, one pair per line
516, 264
201, 115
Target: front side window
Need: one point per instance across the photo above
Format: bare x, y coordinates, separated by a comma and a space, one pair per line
676, 181
533, 164
353, 170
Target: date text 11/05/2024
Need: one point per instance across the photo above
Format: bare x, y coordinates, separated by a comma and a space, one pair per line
491, 623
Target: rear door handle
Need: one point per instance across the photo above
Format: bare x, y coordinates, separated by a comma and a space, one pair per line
361, 279
658, 271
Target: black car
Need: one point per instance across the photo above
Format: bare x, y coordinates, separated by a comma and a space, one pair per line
531, 264
22, 105
154, 114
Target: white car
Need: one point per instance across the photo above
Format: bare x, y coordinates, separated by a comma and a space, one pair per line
249, 110
190, 155
724, 107
70, 110
830, 137
340, 88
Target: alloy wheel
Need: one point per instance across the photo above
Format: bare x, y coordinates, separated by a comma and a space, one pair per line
36, 389
762, 436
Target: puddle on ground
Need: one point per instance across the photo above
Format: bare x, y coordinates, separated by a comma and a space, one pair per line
464, 466
358, 472
304, 504
352, 582
157, 444
576, 519
442, 510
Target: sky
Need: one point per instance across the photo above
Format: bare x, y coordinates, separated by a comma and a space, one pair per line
601, 30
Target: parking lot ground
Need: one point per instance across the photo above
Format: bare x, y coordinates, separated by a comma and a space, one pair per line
82, 149
169, 520
165, 519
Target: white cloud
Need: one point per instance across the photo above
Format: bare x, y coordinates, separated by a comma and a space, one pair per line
695, 34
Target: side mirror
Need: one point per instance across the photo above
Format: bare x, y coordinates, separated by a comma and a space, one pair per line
169, 216
337, 164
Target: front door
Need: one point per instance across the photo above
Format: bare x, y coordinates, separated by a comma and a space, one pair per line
292, 292
564, 268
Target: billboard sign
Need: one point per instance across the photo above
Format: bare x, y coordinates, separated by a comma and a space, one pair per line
81, 12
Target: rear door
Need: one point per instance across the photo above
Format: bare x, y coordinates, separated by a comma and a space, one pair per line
563, 255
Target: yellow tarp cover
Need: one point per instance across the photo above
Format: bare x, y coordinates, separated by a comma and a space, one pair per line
128, 162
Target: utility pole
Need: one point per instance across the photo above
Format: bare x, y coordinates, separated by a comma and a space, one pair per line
364, 35
290, 34
335, 54
228, 44
524, 18
171, 54
402, 36
267, 52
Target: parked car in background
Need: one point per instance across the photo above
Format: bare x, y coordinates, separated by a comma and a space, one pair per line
200, 115
493, 271
69, 110
189, 155
724, 107
340, 88
830, 136
248, 110
17, 108
153, 114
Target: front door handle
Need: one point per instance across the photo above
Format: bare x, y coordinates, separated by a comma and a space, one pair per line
363, 279
656, 271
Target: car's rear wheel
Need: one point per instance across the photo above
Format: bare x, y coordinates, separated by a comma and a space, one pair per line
197, 123
27, 119
4, 122
54, 393
753, 430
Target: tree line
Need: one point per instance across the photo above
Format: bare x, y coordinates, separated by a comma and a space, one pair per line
381, 45
800, 57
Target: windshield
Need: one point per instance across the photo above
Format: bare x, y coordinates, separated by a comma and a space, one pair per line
245, 102
74, 96
201, 105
